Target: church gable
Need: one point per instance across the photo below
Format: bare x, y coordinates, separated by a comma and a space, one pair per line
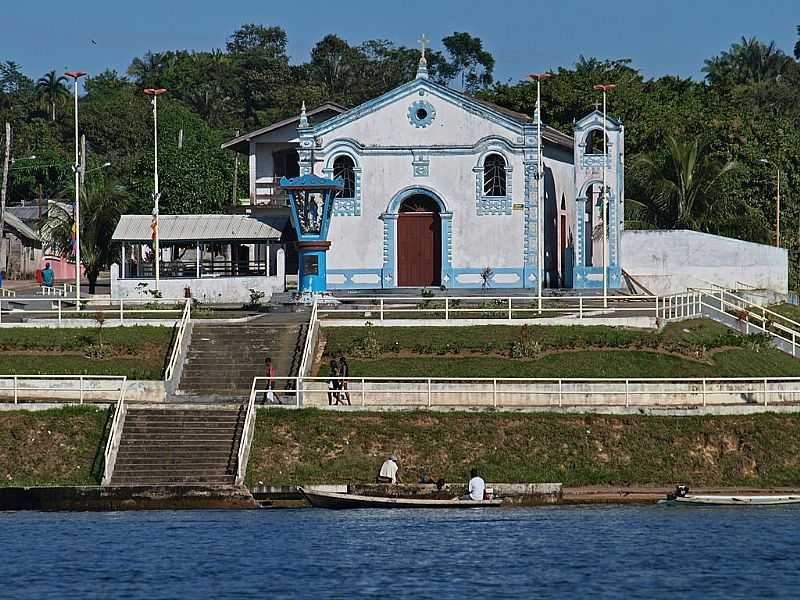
422, 113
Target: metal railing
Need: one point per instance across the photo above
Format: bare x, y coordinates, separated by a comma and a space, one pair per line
62, 290
515, 393
70, 389
490, 307
114, 438
6, 293
177, 347
179, 269
723, 305
247, 439
66, 308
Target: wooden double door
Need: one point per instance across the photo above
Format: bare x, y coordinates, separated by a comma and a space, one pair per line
419, 249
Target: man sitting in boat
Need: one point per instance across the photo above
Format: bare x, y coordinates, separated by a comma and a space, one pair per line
476, 487
388, 472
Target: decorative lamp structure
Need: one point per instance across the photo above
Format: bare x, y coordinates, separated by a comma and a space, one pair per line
311, 200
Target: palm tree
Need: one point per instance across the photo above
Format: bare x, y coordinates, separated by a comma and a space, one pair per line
746, 62
102, 203
52, 91
797, 45
683, 187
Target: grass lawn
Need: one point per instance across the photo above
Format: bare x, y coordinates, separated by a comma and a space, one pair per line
52, 447
137, 352
789, 311
697, 348
311, 446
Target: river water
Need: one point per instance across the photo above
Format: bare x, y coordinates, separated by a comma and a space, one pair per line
551, 552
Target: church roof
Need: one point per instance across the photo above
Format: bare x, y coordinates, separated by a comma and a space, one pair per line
597, 115
242, 142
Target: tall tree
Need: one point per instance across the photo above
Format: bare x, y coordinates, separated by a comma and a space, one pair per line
102, 202
747, 62
52, 91
469, 61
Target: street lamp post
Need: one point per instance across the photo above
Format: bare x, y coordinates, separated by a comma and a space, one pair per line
75, 75
777, 200
539, 78
154, 93
605, 88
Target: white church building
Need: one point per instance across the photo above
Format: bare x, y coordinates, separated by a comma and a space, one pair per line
443, 190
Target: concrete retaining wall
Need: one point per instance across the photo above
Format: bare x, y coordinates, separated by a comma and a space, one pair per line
550, 395
668, 262
68, 390
636, 322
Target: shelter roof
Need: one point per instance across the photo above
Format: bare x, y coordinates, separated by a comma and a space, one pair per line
242, 142
201, 228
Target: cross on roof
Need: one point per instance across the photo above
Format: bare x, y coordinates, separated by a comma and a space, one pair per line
597, 106
423, 42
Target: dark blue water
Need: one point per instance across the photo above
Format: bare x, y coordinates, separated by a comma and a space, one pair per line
554, 552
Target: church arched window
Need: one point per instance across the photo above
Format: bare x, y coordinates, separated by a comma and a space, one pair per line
494, 175
344, 167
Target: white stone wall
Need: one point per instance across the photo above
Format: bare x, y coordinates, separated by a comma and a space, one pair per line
669, 262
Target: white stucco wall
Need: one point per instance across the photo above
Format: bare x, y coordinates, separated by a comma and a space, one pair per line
671, 261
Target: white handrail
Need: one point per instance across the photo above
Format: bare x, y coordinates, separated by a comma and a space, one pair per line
63, 307
557, 391
6, 293
114, 437
247, 438
95, 393
505, 308
186, 317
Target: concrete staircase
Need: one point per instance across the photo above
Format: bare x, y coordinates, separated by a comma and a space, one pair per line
179, 446
223, 359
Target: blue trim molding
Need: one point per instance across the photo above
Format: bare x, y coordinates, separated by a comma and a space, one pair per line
346, 207
493, 205
421, 113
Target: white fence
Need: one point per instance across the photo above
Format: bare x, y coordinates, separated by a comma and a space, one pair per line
61, 309
62, 290
177, 347
520, 393
246, 441
114, 440
733, 310
62, 388
6, 293
490, 307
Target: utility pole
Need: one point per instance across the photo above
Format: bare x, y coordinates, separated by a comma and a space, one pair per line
605, 88
75, 75
154, 94
539, 77
6, 160
235, 173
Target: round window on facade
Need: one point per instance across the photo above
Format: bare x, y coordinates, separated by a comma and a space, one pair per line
421, 113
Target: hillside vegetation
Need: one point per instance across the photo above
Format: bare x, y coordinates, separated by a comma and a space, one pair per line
311, 446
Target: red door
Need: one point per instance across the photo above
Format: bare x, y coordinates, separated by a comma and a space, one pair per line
419, 243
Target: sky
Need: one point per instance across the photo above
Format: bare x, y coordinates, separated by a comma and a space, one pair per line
661, 36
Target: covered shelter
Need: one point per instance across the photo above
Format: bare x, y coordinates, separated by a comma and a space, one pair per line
214, 258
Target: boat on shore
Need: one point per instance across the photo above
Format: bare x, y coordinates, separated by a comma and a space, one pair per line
335, 500
682, 497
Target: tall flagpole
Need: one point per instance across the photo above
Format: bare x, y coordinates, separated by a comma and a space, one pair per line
155, 93
539, 77
604, 196
75, 75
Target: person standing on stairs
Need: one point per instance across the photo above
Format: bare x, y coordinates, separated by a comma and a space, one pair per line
344, 372
269, 372
333, 383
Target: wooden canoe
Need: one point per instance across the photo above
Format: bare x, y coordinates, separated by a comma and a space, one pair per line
340, 501
721, 500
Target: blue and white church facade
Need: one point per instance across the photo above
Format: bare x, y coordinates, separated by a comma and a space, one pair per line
441, 189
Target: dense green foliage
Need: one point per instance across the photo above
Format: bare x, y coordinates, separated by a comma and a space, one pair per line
310, 446
744, 111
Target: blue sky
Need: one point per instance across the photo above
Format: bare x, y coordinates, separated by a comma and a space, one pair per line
661, 36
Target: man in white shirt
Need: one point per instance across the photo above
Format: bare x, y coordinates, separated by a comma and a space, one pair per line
476, 487
388, 473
